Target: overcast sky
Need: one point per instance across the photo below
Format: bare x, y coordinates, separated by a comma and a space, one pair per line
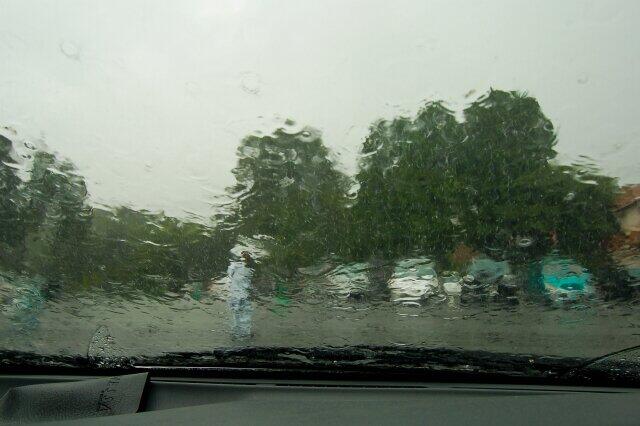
150, 99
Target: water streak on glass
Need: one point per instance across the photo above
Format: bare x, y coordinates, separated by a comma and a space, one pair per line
372, 183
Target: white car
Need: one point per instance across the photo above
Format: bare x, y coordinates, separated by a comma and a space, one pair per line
413, 280
349, 281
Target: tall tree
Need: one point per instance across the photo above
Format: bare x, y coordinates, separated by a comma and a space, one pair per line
406, 198
12, 227
57, 217
507, 147
515, 195
489, 182
288, 189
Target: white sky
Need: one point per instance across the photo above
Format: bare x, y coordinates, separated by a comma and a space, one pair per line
150, 98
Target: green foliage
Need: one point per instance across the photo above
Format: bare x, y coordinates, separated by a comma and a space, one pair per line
11, 222
57, 219
429, 184
503, 165
51, 231
516, 192
286, 188
141, 248
407, 184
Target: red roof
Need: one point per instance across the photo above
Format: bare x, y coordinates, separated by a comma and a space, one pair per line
628, 195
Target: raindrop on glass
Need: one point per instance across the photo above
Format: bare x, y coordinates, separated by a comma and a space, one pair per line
524, 242
70, 50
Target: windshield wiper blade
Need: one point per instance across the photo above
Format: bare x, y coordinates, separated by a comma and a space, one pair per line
345, 362
401, 362
620, 367
367, 358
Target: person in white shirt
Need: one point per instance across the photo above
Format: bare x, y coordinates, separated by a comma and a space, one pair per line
240, 275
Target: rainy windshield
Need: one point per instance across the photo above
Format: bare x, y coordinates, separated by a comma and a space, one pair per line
188, 177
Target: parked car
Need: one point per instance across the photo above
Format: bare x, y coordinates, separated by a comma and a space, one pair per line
564, 280
414, 280
451, 283
483, 280
349, 281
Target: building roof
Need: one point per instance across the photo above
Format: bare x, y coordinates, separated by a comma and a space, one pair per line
629, 195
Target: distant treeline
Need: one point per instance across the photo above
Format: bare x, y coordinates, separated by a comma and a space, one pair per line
428, 184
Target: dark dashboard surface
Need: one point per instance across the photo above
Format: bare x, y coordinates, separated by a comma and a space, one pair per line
215, 401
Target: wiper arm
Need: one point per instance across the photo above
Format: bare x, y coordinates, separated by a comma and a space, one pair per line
621, 367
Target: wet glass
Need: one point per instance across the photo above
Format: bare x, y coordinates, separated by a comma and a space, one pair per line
182, 177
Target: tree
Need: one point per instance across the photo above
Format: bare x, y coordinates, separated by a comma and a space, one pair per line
489, 182
154, 252
428, 183
12, 229
57, 217
407, 196
507, 147
515, 196
287, 188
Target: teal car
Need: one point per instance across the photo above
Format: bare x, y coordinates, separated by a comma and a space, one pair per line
564, 280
